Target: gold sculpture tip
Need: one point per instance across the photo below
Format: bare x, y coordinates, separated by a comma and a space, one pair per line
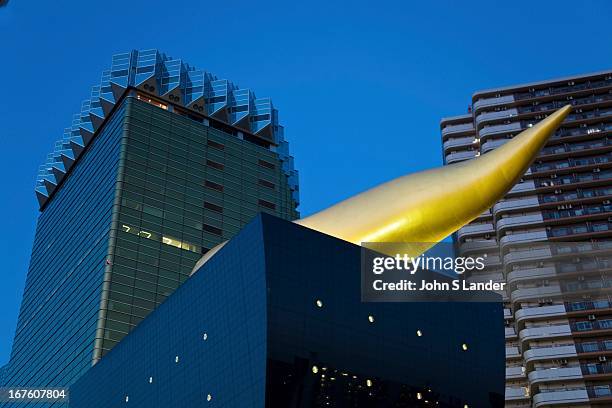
427, 206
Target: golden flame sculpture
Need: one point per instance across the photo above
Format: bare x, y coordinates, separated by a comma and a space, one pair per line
427, 206
423, 208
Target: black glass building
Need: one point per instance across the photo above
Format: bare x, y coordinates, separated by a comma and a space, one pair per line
163, 163
275, 319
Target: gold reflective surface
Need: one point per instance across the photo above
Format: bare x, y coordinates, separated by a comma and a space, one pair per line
427, 206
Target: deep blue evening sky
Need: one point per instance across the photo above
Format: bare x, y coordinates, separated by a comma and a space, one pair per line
360, 86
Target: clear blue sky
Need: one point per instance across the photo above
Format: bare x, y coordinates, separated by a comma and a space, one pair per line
360, 86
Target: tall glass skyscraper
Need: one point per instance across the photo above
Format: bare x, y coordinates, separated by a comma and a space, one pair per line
164, 162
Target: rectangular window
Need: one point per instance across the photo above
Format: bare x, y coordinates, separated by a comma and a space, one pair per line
214, 164
213, 207
266, 164
213, 185
266, 183
267, 204
212, 230
214, 144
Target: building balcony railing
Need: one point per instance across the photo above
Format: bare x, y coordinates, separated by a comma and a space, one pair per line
567, 179
513, 204
587, 305
525, 294
554, 374
485, 102
457, 129
492, 145
517, 393
560, 397
581, 131
554, 105
460, 156
591, 325
527, 254
536, 313
509, 332
456, 142
484, 245
519, 221
515, 372
495, 115
512, 352
475, 229
600, 391
545, 332
499, 129
549, 353
576, 195
574, 147
596, 368
521, 188
522, 237
563, 90
594, 346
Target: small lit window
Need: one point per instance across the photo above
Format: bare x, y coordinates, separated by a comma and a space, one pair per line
319, 303
205, 336
176, 359
127, 398
150, 380
371, 319
208, 397
464, 347
419, 333
419, 396
465, 406
315, 369
369, 382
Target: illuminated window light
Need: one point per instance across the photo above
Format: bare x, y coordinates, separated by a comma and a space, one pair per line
319, 303
315, 369
150, 380
369, 382
127, 398
419, 333
464, 347
176, 359
208, 397
419, 396
205, 336
371, 319
465, 406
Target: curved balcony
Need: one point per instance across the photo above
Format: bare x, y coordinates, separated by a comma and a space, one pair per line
522, 237
487, 102
499, 129
516, 204
484, 245
475, 229
512, 352
458, 142
509, 333
460, 156
492, 144
523, 295
520, 221
527, 255
525, 275
514, 373
559, 398
457, 129
549, 353
517, 393
537, 313
522, 188
495, 115
555, 374
545, 332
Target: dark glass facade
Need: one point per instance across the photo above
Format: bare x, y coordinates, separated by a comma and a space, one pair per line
275, 319
151, 193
